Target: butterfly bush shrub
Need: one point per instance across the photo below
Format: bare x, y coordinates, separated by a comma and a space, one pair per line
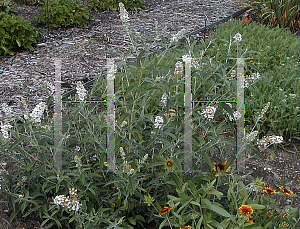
149, 185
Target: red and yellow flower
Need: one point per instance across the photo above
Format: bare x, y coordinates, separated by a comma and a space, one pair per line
204, 136
164, 211
186, 227
288, 192
221, 168
169, 163
250, 220
270, 213
285, 214
246, 210
269, 190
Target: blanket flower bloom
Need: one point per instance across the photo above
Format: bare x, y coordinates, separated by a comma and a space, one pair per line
169, 164
269, 190
164, 211
288, 192
221, 167
246, 210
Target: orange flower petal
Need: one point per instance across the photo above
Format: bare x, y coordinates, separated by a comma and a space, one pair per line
288, 192
164, 211
246, 210
269, 191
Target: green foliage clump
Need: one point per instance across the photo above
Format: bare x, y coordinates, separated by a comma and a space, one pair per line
7, 7
275, 53
63, 13
31, 2
16, 33
114, 4
281, 13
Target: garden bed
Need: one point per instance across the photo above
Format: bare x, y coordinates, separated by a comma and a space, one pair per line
84, 51
77, 47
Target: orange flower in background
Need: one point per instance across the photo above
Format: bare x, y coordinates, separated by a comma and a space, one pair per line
164, 211
186, 227
247, 20
270, 213
285, 214
204, 136
221, 167
246, 210
250, 220
288, 192
169, 163
269, 191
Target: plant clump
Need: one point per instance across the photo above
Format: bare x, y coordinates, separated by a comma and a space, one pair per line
64, 13
16, 33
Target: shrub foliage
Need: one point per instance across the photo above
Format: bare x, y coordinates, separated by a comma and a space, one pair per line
114, 4
63, 13
16, 33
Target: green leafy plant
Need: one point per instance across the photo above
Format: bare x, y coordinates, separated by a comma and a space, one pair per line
281, 13
114, 4
278, 67
16, 33
7, 7
31, 2
63, 13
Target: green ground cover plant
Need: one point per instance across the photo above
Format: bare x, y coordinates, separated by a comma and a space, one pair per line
279, 74
96, 4
30, 2
114, 4
64, 13
16, 33
149, 185
7, 7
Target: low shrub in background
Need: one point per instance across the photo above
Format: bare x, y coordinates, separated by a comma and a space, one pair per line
7, 7
96, 4
278, 13
30, 2
16, 33
114, 4
275, 53
64, 13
